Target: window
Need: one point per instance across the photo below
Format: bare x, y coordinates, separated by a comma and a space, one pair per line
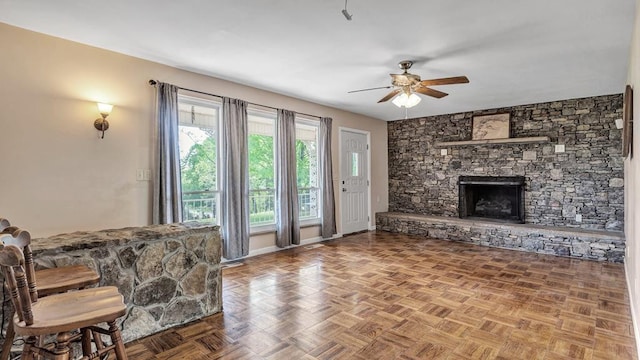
307, 158
199, 145
199, 149
261, 167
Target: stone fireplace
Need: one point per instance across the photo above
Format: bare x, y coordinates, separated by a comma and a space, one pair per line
574, 201
579, 184
492, 197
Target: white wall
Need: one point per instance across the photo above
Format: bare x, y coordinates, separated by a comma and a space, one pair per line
58, 176
632, 176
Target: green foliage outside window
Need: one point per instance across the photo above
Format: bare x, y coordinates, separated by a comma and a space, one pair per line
198, 169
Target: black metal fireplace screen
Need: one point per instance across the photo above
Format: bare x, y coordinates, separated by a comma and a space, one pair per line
492, 197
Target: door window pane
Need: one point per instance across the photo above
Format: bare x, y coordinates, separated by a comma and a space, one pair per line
355, 164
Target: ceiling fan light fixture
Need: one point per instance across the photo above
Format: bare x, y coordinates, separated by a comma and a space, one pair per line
407, 101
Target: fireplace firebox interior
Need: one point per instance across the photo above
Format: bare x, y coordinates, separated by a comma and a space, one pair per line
492, 197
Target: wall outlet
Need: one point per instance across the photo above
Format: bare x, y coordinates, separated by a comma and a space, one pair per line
443, 152
578, 217
560, 148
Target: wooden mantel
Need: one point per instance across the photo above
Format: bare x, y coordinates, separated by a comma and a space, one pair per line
521, 140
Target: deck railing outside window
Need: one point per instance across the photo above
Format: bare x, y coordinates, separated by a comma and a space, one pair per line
203, 205
200, 206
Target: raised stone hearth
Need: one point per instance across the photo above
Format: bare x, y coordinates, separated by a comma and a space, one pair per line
561, 241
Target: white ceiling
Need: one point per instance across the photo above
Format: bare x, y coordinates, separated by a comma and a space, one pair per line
513, 51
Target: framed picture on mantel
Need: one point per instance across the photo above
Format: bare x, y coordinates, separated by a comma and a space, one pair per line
495, 126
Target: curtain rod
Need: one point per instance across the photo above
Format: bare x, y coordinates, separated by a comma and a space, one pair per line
154, 82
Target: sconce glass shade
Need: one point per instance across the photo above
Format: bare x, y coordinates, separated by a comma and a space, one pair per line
105, 109
406, 100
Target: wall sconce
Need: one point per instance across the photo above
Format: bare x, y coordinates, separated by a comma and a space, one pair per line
101, 123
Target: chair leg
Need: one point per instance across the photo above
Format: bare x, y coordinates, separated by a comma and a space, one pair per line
86, 342
116, 340
97, 338
62, 351
27, 349
8, 340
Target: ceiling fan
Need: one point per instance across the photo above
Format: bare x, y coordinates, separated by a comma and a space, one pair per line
407, 85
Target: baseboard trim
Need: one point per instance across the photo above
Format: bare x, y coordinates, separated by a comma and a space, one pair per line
634, 320
272, 249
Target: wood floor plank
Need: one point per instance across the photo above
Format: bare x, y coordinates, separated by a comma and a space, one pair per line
379, 295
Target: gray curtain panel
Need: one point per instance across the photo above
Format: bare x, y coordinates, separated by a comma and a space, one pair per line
235, 179
326, 179
167, 194
287, 216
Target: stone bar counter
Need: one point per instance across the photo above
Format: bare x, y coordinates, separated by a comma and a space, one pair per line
168, 274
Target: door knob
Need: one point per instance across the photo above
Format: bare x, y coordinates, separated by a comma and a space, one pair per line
344, 190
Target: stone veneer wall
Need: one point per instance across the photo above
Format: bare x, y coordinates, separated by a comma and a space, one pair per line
586, 179
168, 274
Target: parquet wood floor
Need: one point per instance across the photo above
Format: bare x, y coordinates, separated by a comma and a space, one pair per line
379, 295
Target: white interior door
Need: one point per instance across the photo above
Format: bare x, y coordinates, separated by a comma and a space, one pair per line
354, 181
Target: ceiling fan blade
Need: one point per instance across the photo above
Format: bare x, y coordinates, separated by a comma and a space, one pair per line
445, 81
375, 88
390, 95
430, 92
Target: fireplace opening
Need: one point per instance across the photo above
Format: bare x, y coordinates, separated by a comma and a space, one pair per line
492, 197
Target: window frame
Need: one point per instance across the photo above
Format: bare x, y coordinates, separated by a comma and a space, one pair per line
217, 105
259, 111
307, 121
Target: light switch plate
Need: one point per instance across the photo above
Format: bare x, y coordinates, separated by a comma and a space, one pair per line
143, 175
560, 148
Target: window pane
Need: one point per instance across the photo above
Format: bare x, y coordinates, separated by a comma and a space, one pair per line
307, 170
261, 168
355, 164
198, 145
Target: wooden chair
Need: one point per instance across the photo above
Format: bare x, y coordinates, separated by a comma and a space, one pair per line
60, 314
45, 282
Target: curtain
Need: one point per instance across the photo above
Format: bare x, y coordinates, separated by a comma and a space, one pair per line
326, 179
235, 179
167, 194
287, 217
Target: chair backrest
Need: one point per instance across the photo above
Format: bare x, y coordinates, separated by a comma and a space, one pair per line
4, 223
12, 263
21, 239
